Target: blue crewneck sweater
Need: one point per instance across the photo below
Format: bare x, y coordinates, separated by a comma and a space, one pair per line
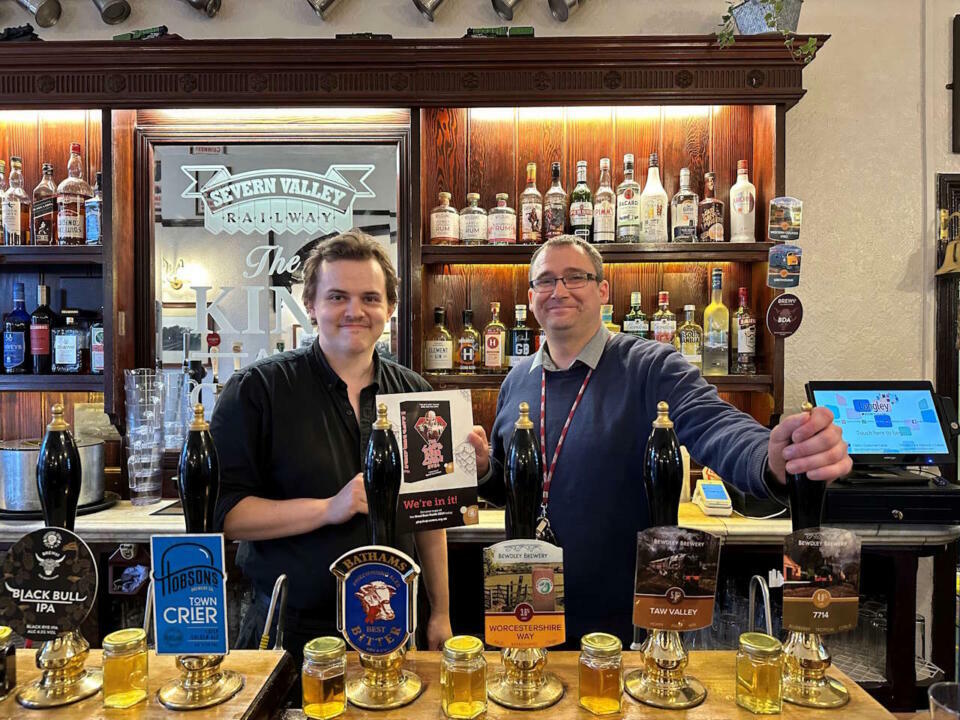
597, 499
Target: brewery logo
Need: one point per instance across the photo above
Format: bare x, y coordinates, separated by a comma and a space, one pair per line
784, 315
287, 201
189, 593
49, 584
376, 598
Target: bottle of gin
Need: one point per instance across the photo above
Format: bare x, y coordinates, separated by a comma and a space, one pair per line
16, 208
653, 206
743, 207
16, 335
531, 209
521, 337
606, 317
581, 205
711, 211
716, 327
628, 204
494, 340
744, 339
683, 211
635, 323
664, 325
94, 207
473, 222
554, 206
469, 345
604, 207
689, 339
438, 345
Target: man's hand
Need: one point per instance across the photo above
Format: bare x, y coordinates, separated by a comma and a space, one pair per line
478, 438
438, 631
808, 443
352, 499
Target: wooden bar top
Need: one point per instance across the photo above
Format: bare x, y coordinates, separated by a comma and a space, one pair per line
268, 675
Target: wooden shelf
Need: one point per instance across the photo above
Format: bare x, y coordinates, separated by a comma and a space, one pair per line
52, 383
723, 383
613, 252
51, 255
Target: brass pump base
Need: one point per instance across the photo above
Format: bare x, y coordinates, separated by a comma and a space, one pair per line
384, 684
805, 681
524, 683
201, 683
64, 680
661, 683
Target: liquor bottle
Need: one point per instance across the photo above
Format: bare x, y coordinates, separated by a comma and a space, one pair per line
716, 328
44, 209
606, 317
664, 324
381, 480
635, 323
711, 211
689, 340
72, 194
94, 208
554, 206
70, 352
41, 322
531, 209
743, 207
473, 222
16, 335
96, 345
604, 207
469, 345
198, 476
58, 473
653, 206
494, 339
628, 204
744, 340
683, 211
581, 205
523, 479
521, 337
438, 345
663, 470
444, 223
44, 224
806, 496
502, 222
16, 207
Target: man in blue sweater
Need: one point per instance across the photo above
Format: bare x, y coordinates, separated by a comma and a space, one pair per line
601, 391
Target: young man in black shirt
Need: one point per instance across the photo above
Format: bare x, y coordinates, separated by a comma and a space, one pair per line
291, 432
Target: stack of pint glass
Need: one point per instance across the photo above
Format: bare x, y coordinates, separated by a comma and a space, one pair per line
144, 392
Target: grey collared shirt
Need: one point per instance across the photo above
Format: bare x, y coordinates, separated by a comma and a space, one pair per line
589, 356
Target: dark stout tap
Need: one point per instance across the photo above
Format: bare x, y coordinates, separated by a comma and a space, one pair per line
198, 481
523, 479
59, 474
663, 470
806, 496
381, 480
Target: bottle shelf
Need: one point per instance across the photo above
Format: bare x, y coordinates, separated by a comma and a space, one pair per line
52, 383
51, 255
612, 252
723, 383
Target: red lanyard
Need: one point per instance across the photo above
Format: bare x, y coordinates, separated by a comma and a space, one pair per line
548, 474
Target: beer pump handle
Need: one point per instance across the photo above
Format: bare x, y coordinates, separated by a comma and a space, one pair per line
523, 476
198, 477
59, 473
806, 496
663, 471
382, 476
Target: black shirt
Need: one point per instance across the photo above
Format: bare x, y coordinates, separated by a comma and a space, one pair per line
284, 428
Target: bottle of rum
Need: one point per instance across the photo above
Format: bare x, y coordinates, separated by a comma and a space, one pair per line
628, 204
716, 327
690, 338
743, 207
494, 340
16, 207
581, 205
521, 337
653, 206
710, 225
606, 317
94, 207
41, 322
744, 340
72, 194
664, 325
473, 222
45, 209
683, 211
635, 323
502, 222
531, 209
444, 223
604, 207
438, 345
554, 206
469, 345
16, 335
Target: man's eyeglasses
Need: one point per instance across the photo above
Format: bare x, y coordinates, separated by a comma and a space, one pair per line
571, 281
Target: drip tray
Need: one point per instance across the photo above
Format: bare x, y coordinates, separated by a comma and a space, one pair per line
109, 500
